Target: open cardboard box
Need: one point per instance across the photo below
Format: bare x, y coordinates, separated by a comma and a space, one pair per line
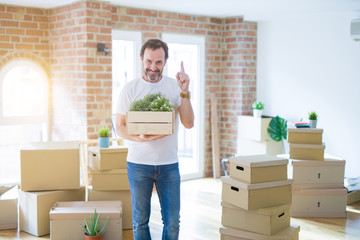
8, 207
66, 218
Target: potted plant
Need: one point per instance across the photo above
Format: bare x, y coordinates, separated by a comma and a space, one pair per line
277, 130
313, 119
151, 115
91, 229
258, 107
104, 139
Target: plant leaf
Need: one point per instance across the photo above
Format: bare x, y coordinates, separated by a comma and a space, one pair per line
277, 128
88, 227
103, 228
85, 230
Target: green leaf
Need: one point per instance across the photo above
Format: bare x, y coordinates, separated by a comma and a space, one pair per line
85, 230
103, 228
88, 227
278, 128
152, 102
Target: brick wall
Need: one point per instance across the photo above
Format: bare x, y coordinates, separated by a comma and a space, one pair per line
81, 77
24, 34
238, 85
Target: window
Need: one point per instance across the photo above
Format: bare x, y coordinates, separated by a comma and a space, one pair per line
190, 50
125, 62
23, 113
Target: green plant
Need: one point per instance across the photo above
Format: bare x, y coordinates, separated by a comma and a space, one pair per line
152, 102
92, 226
258, 105
313, 116
277, 128
104, 132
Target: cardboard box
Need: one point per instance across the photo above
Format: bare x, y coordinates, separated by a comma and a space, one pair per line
124, 196
319, 203
108, 158
110, 180
34, 208
289, 233
257, 195
66, 218
50, 166
258, 168
267, 221
305, 135
150, 122
253, 128
8, 207
307, 151
329, 173
251, 147
353, 197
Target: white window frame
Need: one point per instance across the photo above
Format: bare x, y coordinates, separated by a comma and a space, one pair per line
130, 36
26, 119
200, 95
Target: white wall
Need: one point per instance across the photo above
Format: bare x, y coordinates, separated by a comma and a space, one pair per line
311, 63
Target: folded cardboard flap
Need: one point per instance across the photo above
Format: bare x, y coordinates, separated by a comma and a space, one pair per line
82, 209
10, 193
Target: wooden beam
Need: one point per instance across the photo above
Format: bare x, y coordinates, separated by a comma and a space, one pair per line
215, 136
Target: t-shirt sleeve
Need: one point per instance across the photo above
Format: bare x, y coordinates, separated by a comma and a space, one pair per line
123, 102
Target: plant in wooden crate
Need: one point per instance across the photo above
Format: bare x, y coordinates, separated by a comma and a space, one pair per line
313, 119
91, 229
277, 129
151, 115
104, 137
258, 107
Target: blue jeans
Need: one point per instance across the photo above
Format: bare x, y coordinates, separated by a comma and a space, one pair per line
167, 182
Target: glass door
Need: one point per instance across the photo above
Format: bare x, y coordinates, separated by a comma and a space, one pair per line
190, 50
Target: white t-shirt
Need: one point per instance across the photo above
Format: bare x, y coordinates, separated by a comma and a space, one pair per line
158, 152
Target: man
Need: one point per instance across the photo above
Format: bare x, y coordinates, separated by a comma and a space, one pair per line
152, 159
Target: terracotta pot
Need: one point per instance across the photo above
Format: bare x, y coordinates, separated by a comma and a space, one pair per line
100, 237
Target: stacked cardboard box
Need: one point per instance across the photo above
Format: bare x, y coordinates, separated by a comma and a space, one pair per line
8, 207
50, 172
256, 199
253, 137
109, 179
318, 189
66, 218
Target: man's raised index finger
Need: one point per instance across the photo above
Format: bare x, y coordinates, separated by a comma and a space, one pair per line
182, 67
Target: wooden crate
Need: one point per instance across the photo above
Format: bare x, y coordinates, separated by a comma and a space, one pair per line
150, 123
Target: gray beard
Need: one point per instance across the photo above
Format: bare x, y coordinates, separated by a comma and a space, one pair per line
153, 80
